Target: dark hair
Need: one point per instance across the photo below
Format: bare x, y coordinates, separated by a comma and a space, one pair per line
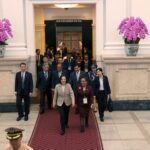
99, 69
22, 63
37, 50
77, 65
86, 54
61, 78
84, 78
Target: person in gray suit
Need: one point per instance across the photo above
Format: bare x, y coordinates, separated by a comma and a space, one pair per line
63, 98
75, 81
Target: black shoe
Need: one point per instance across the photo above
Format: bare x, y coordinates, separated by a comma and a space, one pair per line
102, 119
62, 132
26, 118
19, 118
67, 126
41, 111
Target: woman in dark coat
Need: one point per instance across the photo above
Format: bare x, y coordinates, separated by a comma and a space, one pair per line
85, 99
102, 91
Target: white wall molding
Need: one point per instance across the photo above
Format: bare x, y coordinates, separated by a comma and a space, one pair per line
128, 7
17, 45
63, 1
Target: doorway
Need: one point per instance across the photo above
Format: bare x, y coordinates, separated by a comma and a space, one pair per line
75, 33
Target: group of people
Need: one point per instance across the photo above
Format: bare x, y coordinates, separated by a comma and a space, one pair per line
66, 83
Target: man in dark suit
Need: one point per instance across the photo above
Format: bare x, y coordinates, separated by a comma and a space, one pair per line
68, 64
39, 60
64, 50
56, 75
75, 80
86, 64
45, 62
55, 61
44, 85
23, 90
101, 91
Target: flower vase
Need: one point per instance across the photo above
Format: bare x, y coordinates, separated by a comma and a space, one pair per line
131, 49
2, 50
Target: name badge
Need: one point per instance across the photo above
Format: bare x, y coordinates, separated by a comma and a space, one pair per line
69, 68
84, 100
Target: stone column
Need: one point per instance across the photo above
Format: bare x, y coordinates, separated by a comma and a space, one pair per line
99, 32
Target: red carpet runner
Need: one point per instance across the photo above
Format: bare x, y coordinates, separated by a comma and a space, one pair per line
46, 134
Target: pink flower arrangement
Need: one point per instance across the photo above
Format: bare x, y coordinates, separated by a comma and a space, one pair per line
5, 31
133, 29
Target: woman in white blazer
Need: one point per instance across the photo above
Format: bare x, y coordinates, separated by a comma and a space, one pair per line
63, 99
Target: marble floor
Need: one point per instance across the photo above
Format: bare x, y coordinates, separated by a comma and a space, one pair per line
9, 120
121, 130
125, 130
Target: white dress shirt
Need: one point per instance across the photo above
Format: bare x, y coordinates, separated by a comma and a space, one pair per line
23, 76
46, 74
101, 81
77, 75
59, 73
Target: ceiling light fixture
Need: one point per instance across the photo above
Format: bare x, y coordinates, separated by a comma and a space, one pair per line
65, 6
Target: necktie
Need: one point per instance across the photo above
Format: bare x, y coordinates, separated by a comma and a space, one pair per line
22, 79
77, 74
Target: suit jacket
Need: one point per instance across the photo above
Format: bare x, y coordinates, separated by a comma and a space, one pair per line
54, 64
73, 80
41, 60
64, 52
42, 83
83, 65
66, 96
88, 93
55, 77
68, 63
97, 86
92, 77
28, 83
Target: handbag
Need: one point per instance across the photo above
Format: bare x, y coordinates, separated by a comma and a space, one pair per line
110, 104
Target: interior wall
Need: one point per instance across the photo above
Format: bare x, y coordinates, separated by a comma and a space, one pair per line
73, 13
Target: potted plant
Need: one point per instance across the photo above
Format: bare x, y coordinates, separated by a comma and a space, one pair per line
133, 29
5, 34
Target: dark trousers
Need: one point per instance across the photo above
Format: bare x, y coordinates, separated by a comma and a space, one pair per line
26, 108
102, 103
64, 115
42, 99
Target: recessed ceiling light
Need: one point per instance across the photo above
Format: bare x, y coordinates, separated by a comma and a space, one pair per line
66, 5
